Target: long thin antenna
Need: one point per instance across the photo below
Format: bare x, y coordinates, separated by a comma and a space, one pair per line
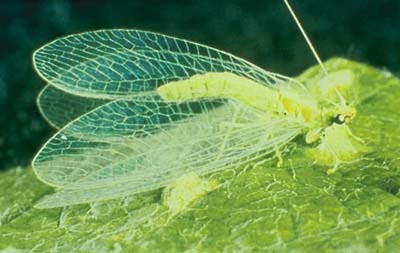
306, 37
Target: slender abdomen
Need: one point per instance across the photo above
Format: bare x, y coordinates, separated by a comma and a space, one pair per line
222, 84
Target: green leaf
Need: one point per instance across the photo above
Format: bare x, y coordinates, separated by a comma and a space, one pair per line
259, 208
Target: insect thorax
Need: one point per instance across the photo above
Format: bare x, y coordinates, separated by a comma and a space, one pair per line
331, 130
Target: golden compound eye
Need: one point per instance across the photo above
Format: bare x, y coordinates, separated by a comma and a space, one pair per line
339, 119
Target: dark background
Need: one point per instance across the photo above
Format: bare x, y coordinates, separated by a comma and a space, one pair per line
259, 31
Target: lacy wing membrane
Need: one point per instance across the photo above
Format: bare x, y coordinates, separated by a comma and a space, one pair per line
139, 144
60, 108
118, 63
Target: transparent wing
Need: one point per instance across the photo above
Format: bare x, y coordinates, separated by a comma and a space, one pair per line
116, 63
59, 107
135, 145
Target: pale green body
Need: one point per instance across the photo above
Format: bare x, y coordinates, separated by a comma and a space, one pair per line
279, 101
226, 85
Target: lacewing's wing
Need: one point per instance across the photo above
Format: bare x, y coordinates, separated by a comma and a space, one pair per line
118, 63
59, 108
107, 64
102, 65
135, 145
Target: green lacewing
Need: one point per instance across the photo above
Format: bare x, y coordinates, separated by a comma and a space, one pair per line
139, 110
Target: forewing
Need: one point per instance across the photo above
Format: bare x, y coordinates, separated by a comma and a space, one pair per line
117, 63
59, 107
144, 144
